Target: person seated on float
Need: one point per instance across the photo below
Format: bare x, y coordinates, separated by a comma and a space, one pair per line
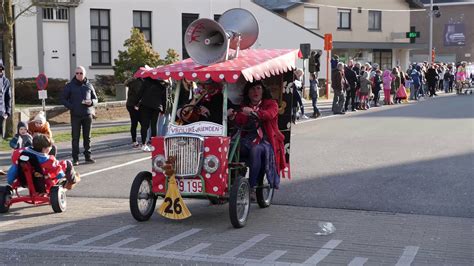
262, 146
49, 165
206, 104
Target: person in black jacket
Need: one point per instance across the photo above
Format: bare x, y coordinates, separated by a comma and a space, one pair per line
351, 78
432, 78
5, 98
152, 101
134, 86
79, 97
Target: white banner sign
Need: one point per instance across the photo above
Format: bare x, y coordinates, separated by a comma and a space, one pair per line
43, 94
202, 128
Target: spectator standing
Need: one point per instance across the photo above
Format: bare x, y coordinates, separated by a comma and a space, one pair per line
432, 80
314, 93
22, 139
5, 98
79, 97
133, 94
387, 85
338, 85
351, 78
378, 85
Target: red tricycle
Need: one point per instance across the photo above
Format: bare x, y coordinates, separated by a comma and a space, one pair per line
42, 189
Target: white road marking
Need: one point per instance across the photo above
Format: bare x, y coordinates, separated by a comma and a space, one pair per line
54, 239
274, 256
173, 239
323, 252
408, 256
123, 242
7, 223
102, 236
196, 248
246, 245
42, 232
358, 261
116, 166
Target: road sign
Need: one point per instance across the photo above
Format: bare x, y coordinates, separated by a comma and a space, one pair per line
412, 34
328, 41
41, 81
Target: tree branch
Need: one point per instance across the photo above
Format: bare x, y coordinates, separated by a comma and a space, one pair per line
23, 11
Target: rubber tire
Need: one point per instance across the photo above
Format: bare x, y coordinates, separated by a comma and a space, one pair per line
55, 195
4, 194
134, 209
261, 200
239, 182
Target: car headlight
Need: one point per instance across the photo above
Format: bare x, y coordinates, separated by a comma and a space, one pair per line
158, 162
211, 163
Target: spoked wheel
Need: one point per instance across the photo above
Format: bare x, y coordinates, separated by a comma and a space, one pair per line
5, 199
239, 202
264, 192
142, 199
57, 197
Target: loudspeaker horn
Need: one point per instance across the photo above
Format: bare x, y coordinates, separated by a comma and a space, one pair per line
208, 42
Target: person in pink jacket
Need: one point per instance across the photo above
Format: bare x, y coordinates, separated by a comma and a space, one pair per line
387, 83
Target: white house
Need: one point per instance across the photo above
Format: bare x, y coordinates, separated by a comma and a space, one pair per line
56, 39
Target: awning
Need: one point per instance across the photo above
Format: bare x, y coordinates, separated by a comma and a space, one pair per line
253, 64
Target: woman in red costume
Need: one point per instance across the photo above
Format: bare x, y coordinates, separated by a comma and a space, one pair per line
263, 145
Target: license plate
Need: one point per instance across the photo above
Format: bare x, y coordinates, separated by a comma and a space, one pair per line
190, 185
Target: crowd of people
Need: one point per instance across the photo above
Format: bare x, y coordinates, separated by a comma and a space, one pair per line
359, 86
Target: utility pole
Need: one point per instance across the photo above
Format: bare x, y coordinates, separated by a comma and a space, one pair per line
430, 58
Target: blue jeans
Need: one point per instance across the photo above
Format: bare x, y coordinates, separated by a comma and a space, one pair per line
315, 108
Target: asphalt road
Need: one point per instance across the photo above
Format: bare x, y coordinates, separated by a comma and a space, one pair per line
395, 181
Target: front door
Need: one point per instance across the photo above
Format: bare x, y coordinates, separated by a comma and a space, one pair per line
56, 49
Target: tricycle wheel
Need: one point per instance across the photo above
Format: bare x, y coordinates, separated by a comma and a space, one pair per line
57, 197
142, 199
239, 202
5, 199
264, 192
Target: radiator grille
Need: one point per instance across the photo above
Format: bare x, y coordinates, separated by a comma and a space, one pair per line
188, 153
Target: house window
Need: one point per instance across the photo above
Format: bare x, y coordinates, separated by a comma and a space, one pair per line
311, 17
375, 20
186, 20
60, 13
100, 36
142, 21
383, 58
344, 19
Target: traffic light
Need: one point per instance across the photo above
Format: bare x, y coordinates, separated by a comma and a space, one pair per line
328, 41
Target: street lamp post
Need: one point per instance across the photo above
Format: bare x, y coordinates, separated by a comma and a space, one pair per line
430, 58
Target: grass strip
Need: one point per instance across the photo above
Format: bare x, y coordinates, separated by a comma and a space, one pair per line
66, 136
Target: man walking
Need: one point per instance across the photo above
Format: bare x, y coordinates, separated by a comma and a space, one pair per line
79, 97
5, 99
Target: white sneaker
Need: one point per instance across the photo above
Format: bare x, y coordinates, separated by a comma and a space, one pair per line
304, 117
146, 148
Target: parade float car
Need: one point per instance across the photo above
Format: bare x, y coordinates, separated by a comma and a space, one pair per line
206, 155
42, 189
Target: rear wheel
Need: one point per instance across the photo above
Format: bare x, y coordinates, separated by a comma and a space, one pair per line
5, 199
57, 197
239, 202
264, 192
142, 199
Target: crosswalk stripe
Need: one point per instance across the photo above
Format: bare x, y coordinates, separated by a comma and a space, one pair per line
173, 239
102, 236
323, 252
196, 248
42, 232
246, 245
408, 256
358, 261
6, 223
54, 239
274, 255
122, 242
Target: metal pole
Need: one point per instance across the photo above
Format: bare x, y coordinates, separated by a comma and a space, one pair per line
430, 58
327, 74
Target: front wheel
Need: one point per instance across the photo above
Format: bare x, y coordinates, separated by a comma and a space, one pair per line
57, 197
5, 199
239, 202
142, 199
264, 192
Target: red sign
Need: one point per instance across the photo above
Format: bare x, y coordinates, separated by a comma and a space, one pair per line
327, 41
41, 81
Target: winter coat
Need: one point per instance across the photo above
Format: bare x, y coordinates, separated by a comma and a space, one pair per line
43, 129
268, 114
153, 94
337, 80
6, 105
365, 84
75, 93
432, 76
387, 80
351, 77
